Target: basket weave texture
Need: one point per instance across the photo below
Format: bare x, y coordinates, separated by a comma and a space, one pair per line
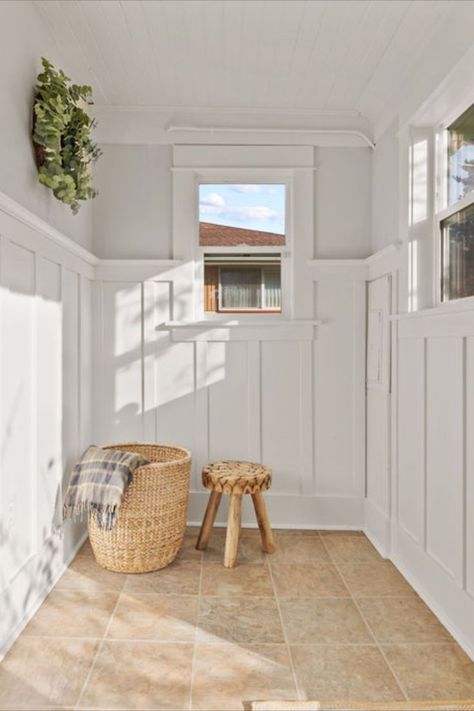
152, 517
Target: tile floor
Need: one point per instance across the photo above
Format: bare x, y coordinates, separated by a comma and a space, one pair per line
324, 618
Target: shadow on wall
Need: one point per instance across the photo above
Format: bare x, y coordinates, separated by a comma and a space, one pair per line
37, 412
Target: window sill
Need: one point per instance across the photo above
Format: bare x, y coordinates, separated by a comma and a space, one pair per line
235, 323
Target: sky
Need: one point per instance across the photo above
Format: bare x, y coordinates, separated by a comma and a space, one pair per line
255, 207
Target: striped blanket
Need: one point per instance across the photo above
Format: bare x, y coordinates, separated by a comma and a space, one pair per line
98, 483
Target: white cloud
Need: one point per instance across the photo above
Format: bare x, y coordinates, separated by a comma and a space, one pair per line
241, 214
247, 188
258, 213
213, 199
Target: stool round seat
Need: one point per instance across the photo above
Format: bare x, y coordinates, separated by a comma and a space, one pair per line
237, 477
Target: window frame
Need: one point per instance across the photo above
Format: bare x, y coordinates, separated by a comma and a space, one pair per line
443, 210
254, 177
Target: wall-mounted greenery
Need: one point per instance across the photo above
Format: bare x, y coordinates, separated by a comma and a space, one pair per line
62, 136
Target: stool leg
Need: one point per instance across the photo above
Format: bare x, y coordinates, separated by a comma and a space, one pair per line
233, 530
263, 523
208, 520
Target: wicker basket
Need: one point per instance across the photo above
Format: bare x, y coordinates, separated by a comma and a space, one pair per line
152, 518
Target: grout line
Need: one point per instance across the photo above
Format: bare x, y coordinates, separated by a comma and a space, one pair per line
193, 660
287, 644
99, 649
369, 629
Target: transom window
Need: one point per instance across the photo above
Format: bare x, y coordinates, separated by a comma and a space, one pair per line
242, 232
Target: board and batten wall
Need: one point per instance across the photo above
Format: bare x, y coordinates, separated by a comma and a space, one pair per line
433, 517
291, 396
45, 409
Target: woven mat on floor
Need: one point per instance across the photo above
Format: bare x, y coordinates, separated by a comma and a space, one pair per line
340, 706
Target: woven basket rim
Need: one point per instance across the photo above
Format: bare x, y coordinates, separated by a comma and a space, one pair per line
185, 458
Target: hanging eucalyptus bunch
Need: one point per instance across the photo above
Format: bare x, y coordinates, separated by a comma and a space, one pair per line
62, 136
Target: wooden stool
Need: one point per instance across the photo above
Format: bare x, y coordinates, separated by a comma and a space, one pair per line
236, 479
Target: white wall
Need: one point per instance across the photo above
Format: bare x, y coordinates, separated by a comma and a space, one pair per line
45, 411
24, 38
433, 527
342, 202
291, 396
385, 187
45, 338
288, 396
132, 213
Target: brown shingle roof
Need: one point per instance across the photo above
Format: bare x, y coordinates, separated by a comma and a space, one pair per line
223, 236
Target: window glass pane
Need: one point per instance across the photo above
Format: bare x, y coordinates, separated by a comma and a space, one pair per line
461, 156
272, 287
232, 214
241, 288
458, 254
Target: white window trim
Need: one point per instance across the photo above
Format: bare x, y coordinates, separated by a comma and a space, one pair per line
254, 176
443, 210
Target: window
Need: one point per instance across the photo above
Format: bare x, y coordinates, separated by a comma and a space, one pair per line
456, 219
242, 235
457, 234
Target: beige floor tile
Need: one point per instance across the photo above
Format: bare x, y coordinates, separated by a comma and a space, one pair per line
86, 549
179, 578
374, 579
349, 547
296, 532
323, 621
242, 580
164, 618
250, 548
85, 574
308, 580
403, 619
140, 675
432, 671
37, 672
225, 675
344, 673
73, 613
188, 550
239, 619
299, 549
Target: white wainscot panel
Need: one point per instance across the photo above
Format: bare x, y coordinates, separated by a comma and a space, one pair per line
122, 362
175, 393
378, 453
49, 378
411, 437
18, 485
281, 420
334, 390
227, 375
469, 429
444, 455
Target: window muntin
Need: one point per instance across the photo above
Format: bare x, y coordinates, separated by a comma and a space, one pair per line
457, 235
461, 156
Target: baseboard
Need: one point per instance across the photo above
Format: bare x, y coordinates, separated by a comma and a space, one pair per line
39, 598
377, 528
310, 512
453, 606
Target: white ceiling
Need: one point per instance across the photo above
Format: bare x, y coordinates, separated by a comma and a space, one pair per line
295, 56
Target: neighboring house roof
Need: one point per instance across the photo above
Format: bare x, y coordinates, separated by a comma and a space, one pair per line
223, 236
